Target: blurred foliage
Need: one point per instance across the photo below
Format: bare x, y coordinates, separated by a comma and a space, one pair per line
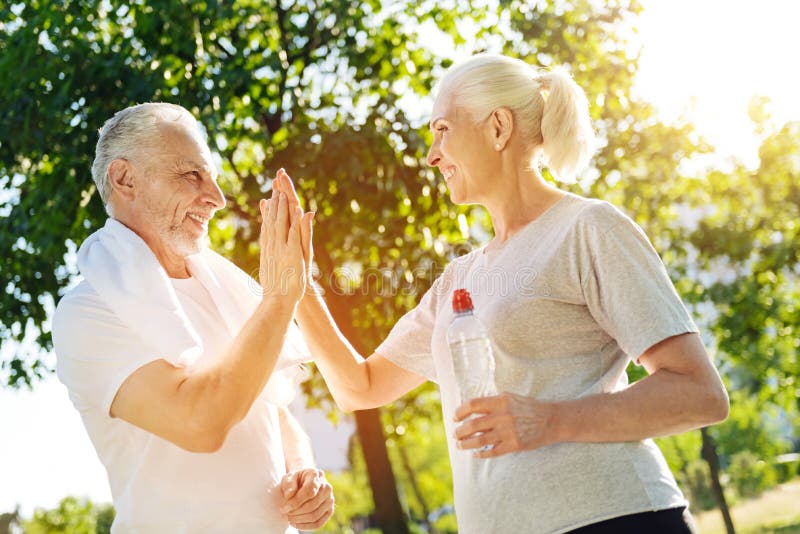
73, 516
751, 475
336, 92
696, 482
752, 436
418, 451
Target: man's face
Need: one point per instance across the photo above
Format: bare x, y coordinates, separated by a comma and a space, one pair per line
178, 192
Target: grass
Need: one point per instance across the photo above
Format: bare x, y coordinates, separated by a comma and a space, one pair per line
777, 511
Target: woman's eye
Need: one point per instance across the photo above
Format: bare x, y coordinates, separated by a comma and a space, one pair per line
194, 174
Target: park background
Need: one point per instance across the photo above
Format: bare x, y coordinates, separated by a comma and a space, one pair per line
697, 109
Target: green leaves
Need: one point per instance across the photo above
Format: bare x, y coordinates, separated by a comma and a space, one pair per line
78, 516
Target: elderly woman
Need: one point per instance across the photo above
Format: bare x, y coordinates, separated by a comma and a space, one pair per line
566, 444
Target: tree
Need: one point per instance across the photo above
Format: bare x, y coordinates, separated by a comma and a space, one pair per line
734, 256
73, 515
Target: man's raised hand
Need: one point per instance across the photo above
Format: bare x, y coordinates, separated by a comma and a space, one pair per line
282, 270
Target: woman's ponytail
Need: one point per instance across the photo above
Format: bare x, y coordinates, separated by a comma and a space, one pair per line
567, 136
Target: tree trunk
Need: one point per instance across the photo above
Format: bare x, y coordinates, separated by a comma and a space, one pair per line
388, 512
412, 481
709, 452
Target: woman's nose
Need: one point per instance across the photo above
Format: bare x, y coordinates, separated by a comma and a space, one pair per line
433, 156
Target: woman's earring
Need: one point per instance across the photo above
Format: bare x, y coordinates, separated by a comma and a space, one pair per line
497, 146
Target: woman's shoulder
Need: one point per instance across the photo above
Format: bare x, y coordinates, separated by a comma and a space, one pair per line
598, 216
460, 263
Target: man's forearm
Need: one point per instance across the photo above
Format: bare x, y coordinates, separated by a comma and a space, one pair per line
223, 393
296, 443
661, 404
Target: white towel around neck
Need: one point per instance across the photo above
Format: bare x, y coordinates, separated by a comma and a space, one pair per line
123, 270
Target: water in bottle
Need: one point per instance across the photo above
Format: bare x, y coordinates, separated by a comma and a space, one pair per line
471, 350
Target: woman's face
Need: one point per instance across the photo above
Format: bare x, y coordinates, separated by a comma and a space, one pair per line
461, 150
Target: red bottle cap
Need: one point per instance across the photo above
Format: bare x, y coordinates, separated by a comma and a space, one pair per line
461, 301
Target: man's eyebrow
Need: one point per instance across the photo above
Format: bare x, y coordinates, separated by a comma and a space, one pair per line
203, 167
191, 163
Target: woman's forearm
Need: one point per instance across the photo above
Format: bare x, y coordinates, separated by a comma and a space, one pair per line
345, 370
683, 391
660, 404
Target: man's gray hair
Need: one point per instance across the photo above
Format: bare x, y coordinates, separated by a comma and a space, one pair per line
126, 134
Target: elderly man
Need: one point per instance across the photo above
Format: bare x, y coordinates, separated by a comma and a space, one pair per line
179, 368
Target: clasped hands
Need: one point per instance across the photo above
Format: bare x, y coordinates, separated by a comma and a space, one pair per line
306, 498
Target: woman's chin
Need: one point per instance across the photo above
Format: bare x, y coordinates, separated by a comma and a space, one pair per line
457, 197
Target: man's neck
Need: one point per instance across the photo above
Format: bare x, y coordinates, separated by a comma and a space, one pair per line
174, 264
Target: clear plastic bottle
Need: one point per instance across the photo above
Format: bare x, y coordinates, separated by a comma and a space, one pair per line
471, 350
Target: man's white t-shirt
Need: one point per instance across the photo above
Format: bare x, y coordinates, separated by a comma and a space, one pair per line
156, 485
568, 302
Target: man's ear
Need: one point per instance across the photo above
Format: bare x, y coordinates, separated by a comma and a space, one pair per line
501, 122
120, 178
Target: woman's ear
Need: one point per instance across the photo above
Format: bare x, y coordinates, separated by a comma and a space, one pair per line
120, 178
502, 124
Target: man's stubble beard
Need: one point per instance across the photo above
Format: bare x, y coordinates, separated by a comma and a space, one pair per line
174, 233
184, 243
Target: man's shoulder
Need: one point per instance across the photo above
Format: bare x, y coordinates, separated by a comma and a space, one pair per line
81, 314
80, 299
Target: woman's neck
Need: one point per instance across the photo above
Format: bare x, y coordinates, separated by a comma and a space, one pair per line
518, 202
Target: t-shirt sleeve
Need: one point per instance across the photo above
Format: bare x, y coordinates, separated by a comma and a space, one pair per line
95, 352
409, 342
628, 290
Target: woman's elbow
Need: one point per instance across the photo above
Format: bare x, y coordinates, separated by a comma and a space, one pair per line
352, 401
716, 405
350, 405
722, 405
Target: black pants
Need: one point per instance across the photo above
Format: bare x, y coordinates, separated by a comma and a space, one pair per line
672, 521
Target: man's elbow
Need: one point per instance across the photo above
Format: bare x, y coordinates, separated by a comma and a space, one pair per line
204, 437
206, 444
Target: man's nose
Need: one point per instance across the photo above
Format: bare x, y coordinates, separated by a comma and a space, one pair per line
214, 196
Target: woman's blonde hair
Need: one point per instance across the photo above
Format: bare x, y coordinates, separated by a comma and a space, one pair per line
549, 108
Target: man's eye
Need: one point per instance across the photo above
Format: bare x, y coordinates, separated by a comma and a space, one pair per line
194, 174
441, 129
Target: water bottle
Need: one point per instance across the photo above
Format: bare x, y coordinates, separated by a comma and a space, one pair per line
471, 350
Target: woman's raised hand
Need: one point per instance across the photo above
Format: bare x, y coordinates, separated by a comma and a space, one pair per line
283, 184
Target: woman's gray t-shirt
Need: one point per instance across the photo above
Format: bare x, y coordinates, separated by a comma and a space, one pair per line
568, 301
